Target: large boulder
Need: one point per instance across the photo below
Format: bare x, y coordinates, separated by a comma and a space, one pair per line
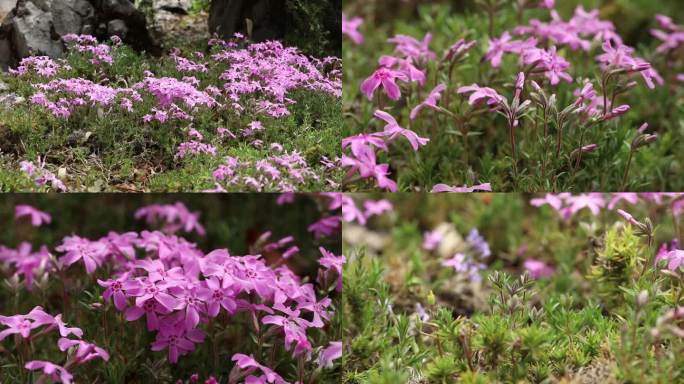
5, 7
36, 27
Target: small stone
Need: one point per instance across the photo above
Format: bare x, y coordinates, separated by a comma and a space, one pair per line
117, 27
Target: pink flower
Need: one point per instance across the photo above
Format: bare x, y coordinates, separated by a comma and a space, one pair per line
77, 248
114, 288
593, 201
17, 324
377, 208
53, 371
85, 351
431, 240
325, 226
481, 93
538, 269
329, 354
178, 340
430, 101
250, 365
631, 198
410, 47
217, 295
405, 66
350, 28
367, 167
392, 130
361, 144
148, 289
293, 326
549, 4
387, 78
464, 189
37, 217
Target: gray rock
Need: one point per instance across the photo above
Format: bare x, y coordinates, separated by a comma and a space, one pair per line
10, 100
5, 7
36, 27
32, 31
3, 87
117, 27
69, 16
181, 7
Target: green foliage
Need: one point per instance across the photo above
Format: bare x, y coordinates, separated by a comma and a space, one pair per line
470, 146
616, 265
316, 26
100, 149
590, 322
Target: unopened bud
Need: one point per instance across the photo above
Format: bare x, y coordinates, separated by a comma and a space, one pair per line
621, 110
431, 300
642, 298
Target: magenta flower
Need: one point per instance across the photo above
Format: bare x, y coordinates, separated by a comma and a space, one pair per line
430, 101
538, 269
387, 78
350, 27
17, 324
555, 201
325, 226
629, 197
410, 47
593, 201
114, 288
53, 371
250, 365
367, 167
85, 351
392, 130
549, 4
361, 144
148, 289
329, 354
178, 340
377, 208
332, 266
431, 240
152, 309
190, 303
405, 66
292, 326
76, 248
37, 217
481, 93
217, 295
628, 217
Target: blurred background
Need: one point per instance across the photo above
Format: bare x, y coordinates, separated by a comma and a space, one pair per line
633, 18
232, 221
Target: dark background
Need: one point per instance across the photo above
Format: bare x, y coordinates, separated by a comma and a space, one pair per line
232, 221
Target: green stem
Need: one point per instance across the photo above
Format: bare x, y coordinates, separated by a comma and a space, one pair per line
629, 163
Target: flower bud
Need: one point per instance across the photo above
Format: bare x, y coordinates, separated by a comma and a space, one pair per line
642, 298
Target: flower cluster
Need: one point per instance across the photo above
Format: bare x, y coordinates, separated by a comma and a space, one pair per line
39, 65
178, 290
280, 171
24, 326
415, 87
100, 53
41, 176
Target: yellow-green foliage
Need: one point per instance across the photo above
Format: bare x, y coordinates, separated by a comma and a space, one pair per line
616, 264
